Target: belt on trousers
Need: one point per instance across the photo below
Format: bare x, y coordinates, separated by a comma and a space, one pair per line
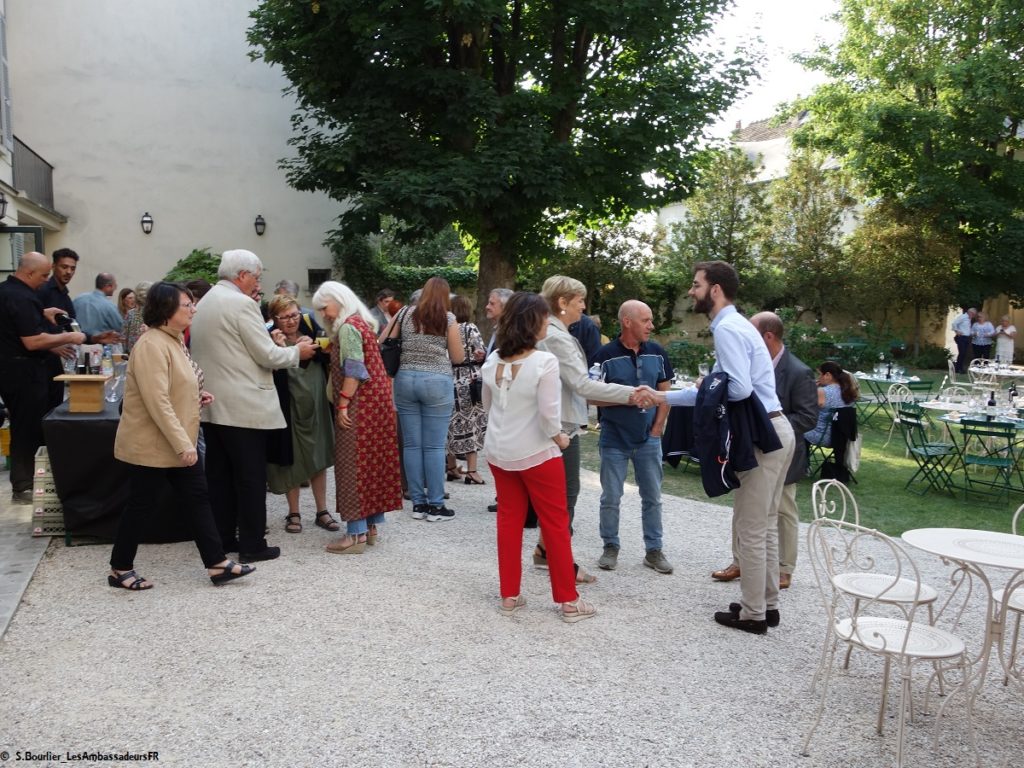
773, 414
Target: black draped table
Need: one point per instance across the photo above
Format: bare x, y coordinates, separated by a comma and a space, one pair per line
677, 439
93, 486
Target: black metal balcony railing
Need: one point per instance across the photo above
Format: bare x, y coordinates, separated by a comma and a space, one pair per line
33, 174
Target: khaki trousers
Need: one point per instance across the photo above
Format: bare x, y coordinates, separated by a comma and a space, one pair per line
755, 522
789, 532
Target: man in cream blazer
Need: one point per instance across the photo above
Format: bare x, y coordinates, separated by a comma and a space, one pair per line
231, 344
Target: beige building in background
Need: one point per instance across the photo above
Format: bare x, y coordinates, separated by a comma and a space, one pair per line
152, 107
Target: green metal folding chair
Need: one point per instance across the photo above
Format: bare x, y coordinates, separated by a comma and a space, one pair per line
990, 445
932, 458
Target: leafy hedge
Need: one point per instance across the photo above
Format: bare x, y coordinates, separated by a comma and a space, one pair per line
199, 264
365, 273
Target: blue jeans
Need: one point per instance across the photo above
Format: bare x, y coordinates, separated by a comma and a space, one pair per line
424, 403
361, 526
647, 469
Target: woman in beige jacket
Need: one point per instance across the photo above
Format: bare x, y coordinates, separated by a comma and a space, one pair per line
157, 437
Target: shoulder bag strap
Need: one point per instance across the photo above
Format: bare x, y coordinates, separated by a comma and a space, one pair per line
396, 322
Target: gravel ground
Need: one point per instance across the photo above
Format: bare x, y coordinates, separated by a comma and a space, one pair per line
400, 657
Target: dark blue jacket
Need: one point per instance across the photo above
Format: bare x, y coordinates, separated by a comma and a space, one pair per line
588, 335
726, 433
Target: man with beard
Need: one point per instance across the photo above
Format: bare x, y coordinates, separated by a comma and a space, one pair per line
741, 353
798, 393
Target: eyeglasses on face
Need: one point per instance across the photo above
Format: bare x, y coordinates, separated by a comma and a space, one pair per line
288, 318
187, 305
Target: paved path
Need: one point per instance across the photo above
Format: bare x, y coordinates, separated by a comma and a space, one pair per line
399, 657
19, 552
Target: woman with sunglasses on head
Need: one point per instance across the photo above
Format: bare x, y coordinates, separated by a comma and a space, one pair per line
157, 438
304, 449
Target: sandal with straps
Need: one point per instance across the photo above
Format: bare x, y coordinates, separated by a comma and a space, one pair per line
325, 521
508, 609
293, 522
579, 609
470, 480
121, 581
227, 572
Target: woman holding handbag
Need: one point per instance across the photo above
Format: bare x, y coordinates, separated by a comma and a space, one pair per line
424, 394
469, 420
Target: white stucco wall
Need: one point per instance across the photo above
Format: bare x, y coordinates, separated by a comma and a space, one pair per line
155, 106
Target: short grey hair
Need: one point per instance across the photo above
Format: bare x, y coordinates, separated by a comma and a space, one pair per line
233, 263
503, 294
348, 303
290, 287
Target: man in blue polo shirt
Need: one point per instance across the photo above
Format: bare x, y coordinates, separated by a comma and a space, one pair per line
632, 433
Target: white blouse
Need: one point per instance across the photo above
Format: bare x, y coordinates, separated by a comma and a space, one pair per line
524, 411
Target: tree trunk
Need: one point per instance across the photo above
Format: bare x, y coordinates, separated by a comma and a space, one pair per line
497, 270
917, 330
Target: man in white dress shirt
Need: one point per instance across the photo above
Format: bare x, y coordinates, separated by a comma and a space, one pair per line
741, 352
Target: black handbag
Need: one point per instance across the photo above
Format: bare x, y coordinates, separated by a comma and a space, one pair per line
476, 390
391, 348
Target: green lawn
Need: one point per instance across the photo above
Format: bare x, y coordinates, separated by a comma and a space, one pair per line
883, 502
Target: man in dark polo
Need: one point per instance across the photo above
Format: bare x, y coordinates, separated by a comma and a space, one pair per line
26, 350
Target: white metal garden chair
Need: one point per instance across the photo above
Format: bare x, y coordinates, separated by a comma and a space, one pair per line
898, 394
841, 551
981, 372
955, 394
1015, 605
832, 500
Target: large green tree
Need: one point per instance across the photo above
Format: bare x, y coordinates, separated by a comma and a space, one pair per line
495, 113
726, 219
899, 259
925, 109
809, 207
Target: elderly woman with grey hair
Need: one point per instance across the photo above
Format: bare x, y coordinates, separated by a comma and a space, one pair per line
366, 478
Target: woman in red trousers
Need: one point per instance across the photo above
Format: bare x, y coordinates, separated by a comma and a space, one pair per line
524, 443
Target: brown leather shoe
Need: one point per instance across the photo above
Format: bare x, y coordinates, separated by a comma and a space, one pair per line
726, 574
785, 579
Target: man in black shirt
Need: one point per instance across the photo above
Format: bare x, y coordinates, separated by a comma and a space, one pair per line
25, 352
54, 293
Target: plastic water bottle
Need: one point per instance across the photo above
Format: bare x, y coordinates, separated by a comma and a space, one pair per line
107, 364
595, 372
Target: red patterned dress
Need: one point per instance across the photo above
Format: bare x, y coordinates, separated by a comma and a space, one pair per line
366, 475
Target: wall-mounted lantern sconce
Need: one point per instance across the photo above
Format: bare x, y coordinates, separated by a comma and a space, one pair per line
3, 205
260, 224
146, 223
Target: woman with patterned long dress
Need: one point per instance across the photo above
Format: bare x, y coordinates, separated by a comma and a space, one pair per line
469, 420
304, 449
134, 326
366, 478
